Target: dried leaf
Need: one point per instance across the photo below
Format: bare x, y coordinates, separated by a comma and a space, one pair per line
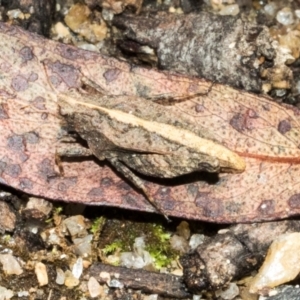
263, 132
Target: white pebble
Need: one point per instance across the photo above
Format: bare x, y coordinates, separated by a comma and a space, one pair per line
41, 273
10, 264
285, 16
87, 46
137, 259
147, 258
229, 293
270, 9
95, 289
229, 10
105, 276
15, 13
297, 13
127, 259
107, 14
179, 243
50, 236
60, 276
23, 294
196, 240
151, 297
281, 263
114, 283
5, 294
61, 30
77, 268
139, 244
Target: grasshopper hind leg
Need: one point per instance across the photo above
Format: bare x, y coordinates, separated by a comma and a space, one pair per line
138, 183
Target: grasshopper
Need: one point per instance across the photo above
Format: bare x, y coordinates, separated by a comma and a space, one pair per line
140, 135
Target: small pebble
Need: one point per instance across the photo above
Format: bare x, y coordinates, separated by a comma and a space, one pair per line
70, 280
179, 243
41, 273
60, 276
23, 294
151, 297
196, 240
78, 19
77, 15
37, 208
270, 9
137, 259
77, 268
139, 244
87, 46
183, 229
177, 272
76, 226
285, 16
290, 42
114, 283
7, 218
281, 263
95, 289
107, 14
230, 10
15, 14
10, 264
53, 237
127, 259
230, 292
61, 30
105, 276
5, 294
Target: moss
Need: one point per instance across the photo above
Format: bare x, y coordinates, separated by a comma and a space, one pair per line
119, 236
112, 248
158, 246
97, 225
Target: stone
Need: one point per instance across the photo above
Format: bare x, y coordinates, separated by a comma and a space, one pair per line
281, 263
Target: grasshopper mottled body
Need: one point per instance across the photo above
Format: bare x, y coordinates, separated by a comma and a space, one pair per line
149, 145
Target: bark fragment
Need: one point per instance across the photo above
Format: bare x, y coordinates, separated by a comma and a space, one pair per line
149, 282
232, 255
224, 49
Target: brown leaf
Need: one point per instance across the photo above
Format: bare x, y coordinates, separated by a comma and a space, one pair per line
34, 70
